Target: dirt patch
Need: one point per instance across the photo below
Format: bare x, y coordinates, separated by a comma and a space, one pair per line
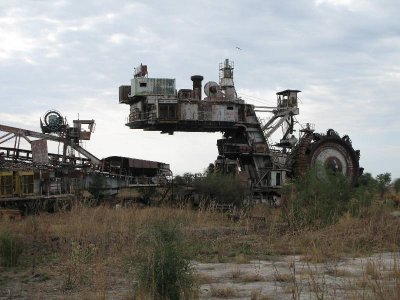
291, 277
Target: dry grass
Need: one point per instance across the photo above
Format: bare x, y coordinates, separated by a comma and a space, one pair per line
87, 248
235, 275
251, 277
241, 259
335, 272
257, 295
238, 276
376, 232
203, 278
278, 277
372, 270
224, 292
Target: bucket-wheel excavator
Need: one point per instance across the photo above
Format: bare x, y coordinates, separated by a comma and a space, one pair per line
245, 148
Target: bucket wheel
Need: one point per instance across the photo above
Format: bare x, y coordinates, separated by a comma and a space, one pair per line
329, 150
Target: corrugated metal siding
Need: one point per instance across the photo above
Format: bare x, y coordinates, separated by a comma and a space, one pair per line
134, 163
142, 164
153, 86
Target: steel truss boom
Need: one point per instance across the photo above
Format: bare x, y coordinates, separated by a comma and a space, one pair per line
17, 133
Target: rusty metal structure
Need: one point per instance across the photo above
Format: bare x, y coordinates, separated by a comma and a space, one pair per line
245, 148
34, 179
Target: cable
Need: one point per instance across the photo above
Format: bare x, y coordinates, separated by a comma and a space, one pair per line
261, 99
253, 98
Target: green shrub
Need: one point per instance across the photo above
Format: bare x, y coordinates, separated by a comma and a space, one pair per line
321, 197
162, 266
10, 249
317, 199
361, 199
223, 188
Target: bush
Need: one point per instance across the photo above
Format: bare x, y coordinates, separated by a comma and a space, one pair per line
223, 188
148, 195
366, 179
316, 200
10, 249
162, 266
361, 199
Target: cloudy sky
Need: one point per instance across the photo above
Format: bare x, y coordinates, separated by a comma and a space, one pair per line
344, 55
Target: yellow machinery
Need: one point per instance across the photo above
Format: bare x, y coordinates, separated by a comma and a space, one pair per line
23, 183
6, 184
17, 183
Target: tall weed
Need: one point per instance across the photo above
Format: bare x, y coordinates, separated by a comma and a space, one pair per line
11, 249
161, 264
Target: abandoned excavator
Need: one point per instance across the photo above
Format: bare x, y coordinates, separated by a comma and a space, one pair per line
32, 179
245, 148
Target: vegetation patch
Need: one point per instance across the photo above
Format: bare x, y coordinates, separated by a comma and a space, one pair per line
162, 267
224, 292
11, 249
150, 250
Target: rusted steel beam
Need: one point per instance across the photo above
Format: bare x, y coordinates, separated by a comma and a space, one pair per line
86, 153
29, 133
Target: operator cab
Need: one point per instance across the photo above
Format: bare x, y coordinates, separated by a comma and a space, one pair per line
287, 98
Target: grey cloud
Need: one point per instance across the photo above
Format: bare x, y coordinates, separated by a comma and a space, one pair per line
344, 58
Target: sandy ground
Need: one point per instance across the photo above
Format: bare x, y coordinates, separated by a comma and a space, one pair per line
291, 278
288, 277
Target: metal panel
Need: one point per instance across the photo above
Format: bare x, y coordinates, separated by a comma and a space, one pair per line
124, 91
153, 86
223, 112
189, 111
231, 113
205, 112
39, 152
142, 164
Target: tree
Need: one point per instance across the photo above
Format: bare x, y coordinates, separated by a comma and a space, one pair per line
396, 185
179, 180
366, 179
188, 178
383, 180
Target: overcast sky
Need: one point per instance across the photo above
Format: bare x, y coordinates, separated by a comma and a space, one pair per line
72, 56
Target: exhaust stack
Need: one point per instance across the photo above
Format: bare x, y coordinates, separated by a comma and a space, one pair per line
197, 79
